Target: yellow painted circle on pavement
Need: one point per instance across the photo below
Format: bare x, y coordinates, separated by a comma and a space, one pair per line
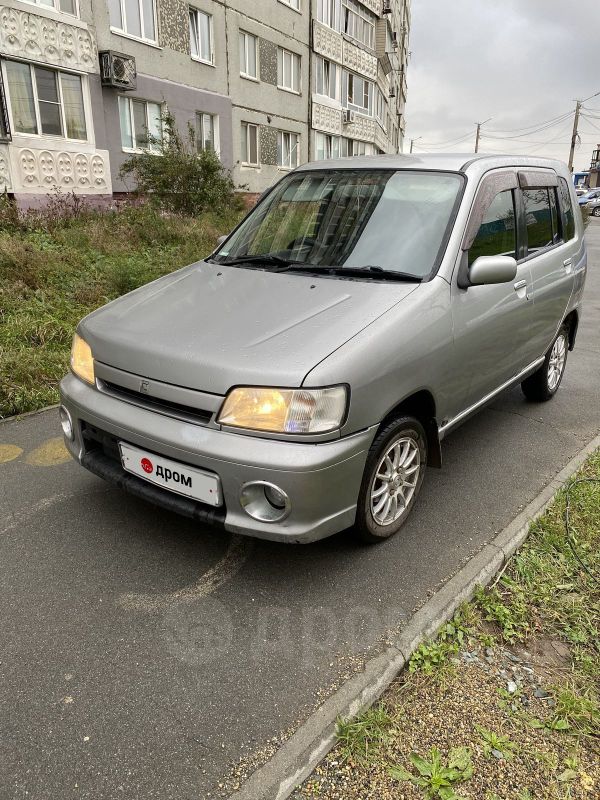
8, 452
49, 454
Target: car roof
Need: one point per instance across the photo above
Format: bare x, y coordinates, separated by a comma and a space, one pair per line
454, 162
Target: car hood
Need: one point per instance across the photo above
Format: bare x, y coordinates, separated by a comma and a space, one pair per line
209, 327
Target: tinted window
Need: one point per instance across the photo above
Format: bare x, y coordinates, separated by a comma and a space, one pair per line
567, 206
538, 218
497, 235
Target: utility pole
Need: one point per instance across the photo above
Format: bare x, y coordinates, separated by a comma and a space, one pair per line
575, 134
412, 141
478, 134
574, 137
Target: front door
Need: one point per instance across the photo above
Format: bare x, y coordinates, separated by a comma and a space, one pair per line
492, 323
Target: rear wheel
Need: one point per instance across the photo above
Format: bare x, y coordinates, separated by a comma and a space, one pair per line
596, 211
544, 383
392, 479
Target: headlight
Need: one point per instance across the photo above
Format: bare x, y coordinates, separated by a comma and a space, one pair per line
285, 410
82, 361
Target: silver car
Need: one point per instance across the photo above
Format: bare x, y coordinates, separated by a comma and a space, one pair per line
591, 201
300, 380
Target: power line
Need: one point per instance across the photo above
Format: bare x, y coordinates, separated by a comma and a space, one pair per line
533, 125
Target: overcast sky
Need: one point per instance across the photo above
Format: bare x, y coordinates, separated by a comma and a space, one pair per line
521, 62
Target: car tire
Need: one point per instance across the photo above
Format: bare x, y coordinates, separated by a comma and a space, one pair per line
544, 382
596, 211
392, 478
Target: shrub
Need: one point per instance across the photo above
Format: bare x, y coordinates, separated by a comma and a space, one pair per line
176, 178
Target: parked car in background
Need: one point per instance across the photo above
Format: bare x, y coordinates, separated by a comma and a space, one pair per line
300, 380
591, 201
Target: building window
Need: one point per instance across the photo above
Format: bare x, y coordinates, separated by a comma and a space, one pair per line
141, 124
250, 144
328, 12
358, 22
293, 3
327, 146
201, 38
288, 146
248, 55
133, 17
207, 132
381, 108
358, 148
45, 101
288, 70
326, 78
66, 6
358, 93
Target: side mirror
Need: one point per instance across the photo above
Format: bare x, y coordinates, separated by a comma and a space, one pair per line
221, 239
492, 269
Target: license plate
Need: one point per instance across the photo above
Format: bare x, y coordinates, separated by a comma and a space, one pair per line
171, 475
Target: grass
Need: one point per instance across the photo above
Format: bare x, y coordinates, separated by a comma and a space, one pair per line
58, 266
504, 703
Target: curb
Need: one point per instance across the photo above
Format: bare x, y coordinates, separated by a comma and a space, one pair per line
301, 753
25, 414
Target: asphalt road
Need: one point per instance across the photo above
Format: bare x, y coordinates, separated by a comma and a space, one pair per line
141, 656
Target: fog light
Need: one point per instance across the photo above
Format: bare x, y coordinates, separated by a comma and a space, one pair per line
66, 422
264, 501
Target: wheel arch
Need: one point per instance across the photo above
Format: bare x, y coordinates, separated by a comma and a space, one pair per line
420, 405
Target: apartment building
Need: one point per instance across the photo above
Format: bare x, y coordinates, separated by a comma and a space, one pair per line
267, 84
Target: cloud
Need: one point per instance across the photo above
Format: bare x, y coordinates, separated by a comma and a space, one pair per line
520, 62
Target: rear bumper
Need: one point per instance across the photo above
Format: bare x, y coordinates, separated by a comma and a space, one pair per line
322, 480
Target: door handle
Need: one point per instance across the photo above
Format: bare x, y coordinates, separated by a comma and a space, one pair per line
520, 285
568, 265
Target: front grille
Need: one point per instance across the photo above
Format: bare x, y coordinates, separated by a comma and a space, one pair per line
198, 416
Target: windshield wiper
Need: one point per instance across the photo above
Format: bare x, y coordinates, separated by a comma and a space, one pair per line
268, 259
355, 272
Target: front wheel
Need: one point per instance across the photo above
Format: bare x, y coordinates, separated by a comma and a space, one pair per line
392, 479
544, 382
596, 211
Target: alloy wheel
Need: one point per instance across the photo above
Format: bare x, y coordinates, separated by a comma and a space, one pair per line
556, 362
395, 481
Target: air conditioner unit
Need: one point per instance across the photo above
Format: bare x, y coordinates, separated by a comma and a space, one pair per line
348, 116
387, 7
117, 70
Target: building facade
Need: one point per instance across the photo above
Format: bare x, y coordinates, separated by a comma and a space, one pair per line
268, 84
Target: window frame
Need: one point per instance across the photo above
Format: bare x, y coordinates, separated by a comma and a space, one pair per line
370, 88
296, 58
193, 10
293, 4
326, 66
126, 33
352, 9
244, 162
281, 134
130, 101
56, 7
200, 115
38, 133
246, 36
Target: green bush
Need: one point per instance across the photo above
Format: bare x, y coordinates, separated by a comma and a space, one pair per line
175, 177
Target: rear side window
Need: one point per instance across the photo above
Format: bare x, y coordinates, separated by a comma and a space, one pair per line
567, 207
538, 219
497, 234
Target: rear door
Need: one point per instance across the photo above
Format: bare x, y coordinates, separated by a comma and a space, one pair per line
548, 232
491, 323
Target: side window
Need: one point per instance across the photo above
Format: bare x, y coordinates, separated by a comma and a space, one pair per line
567, 207
497, 234
538, 219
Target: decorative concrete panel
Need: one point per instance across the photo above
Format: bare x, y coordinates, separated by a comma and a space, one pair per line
327, 42
326, 118
267, 53
268, 145
373, 5
28, 35
362, 128
5, 181
359, 60
37, 170
173, 25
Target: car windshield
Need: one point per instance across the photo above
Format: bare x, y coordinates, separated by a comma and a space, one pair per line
384, 219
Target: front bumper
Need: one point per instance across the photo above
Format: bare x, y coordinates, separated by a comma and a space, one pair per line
322, 480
